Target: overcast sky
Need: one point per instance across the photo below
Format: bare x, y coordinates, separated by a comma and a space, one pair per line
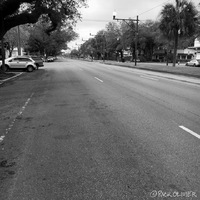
99, 13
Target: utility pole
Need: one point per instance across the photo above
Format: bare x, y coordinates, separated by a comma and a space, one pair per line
19, 41
136, 32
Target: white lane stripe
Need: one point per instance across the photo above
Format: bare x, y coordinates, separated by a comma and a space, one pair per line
18, 114
147, 77
1, 138
98, 79
189, 131
12, 77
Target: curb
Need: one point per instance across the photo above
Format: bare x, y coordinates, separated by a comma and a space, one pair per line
4, 80
160, 71
181, 80
154, 70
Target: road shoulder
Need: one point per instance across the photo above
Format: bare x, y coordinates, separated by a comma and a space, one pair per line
8, 76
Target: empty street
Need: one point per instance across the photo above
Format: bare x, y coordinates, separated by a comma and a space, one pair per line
77, 130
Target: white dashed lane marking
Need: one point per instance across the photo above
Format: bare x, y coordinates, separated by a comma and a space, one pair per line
98, 79
190, 131
18, 114
148, 77
2, 137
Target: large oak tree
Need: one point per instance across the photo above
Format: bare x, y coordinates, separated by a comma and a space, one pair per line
41, 42
17, 12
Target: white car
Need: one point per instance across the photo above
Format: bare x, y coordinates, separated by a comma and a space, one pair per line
193, 62
19, 62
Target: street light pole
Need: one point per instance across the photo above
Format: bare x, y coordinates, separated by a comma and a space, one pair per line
136, 41
136, 32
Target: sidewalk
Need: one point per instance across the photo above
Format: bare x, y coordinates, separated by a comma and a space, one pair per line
161, 67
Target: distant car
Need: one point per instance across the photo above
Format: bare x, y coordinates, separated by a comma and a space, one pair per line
50, 59
38, 61
19, 62
193, 62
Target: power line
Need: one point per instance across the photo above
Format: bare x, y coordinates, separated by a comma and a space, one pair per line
154, 7
96, 20
99, 20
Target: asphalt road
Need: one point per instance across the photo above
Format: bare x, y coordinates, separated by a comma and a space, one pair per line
84, 130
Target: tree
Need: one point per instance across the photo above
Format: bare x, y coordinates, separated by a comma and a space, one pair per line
128, 31
178, 20
104, 43
17, 12
48, 44
75, 53
148, 34
113, 40
11, 37
58, 41
88, 48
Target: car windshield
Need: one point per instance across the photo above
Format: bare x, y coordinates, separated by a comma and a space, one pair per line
9, 59
24, 60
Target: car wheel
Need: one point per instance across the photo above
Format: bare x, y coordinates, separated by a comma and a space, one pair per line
30, 68
5, 68
194, 65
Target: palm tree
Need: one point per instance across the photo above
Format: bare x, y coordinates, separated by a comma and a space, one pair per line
179, 20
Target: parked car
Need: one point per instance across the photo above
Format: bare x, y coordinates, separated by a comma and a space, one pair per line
38, 61
193, 62
50, 59
19, 62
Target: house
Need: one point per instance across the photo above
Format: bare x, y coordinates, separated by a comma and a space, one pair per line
16, 53
196, 49
159, 55
183, 55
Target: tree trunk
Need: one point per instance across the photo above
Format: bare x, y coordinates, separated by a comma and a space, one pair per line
3, 55
122, 55
175, 48
2, 33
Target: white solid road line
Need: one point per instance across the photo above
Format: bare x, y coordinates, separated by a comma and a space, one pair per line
189, 131
98, 79
12, 77
148, 77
